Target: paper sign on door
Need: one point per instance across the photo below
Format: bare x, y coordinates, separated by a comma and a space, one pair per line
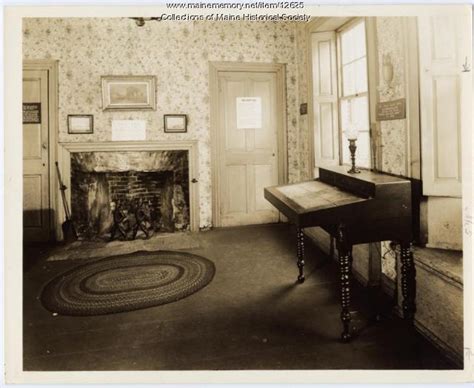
249, 112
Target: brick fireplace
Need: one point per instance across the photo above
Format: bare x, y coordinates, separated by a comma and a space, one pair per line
148, 185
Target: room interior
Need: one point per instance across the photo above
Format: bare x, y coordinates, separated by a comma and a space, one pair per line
144, 135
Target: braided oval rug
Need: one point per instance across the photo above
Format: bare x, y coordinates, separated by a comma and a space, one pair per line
127, 282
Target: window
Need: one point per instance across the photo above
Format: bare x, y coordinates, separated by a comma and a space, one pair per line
340, 94
353, 95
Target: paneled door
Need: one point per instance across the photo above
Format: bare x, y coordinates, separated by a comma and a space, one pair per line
36, 199
445, 81
247, 137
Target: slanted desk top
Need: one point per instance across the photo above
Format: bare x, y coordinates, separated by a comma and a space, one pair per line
377, 205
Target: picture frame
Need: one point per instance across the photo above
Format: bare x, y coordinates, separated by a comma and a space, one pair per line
130, 92
80, 124
175, 123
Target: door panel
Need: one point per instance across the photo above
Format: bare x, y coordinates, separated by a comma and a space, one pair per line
248, 159
263, 137
36, 201
235, 139
443, 49
262, 179
236, 189
32, 190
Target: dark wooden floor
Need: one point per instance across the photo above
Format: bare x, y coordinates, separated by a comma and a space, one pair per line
251, 316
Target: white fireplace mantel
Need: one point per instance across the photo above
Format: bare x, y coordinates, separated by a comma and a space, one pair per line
64, 161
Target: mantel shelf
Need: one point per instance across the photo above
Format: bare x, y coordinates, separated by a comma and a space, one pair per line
130, 146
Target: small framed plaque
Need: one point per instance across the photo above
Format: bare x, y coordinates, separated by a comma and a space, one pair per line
31, 113
176, 123
391, 110
80, 124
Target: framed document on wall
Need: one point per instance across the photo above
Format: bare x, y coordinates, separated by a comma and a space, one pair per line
80, 124
176, 123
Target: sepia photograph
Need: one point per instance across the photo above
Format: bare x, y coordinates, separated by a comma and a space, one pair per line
310, 215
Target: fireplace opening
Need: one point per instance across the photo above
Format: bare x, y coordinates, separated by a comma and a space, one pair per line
124, 195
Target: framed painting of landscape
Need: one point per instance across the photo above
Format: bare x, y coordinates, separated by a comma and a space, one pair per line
128, 92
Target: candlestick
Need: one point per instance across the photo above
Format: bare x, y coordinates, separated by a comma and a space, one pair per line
352, 148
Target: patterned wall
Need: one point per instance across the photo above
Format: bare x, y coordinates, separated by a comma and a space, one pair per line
303, 92
178, 53
390, 42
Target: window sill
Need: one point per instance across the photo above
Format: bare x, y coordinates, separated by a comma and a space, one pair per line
445, 263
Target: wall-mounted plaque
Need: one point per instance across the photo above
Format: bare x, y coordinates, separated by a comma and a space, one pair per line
304, 109
32, 113
391, 110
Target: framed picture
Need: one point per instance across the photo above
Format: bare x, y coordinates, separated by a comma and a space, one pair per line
176, 123
80, 124
128, 92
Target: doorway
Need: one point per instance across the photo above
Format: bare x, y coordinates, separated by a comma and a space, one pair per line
248, 140
39, 149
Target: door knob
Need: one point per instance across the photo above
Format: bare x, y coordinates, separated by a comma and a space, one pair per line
194, 180
45, 146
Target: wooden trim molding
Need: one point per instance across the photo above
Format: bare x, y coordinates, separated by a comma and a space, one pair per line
218, 67
64, 161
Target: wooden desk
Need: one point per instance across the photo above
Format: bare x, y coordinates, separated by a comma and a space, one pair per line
355, 209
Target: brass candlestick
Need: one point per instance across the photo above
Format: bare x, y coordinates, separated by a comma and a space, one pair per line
352, 148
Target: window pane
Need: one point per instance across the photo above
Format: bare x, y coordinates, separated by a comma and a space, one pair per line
356, 111
345, 115
358, 32
360, 113
348, 79
353, 43
360, 75
347, 46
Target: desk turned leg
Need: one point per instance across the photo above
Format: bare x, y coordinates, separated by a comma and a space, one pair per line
408, 281
300, 254
345, 266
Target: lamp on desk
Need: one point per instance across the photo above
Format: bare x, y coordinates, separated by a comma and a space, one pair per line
352, 134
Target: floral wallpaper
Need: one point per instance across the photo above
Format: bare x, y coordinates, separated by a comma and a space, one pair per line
303, 93
390, 43
178, 54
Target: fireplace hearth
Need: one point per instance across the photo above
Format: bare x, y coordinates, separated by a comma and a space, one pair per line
127, 195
